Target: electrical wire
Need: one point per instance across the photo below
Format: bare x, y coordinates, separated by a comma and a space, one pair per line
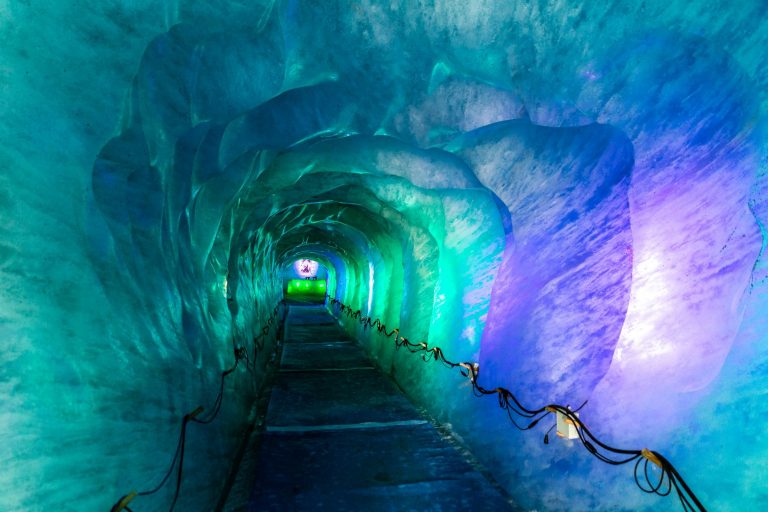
668, 479
241, 353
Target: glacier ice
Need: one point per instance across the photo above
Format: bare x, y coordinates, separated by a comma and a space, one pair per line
571, 194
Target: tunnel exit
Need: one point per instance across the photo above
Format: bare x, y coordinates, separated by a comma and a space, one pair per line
305, 282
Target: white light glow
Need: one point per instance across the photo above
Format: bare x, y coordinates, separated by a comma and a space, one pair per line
370, 286
306, 268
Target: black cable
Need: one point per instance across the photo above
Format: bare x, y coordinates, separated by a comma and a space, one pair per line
220, 398
512, 406
170, 469
178, 456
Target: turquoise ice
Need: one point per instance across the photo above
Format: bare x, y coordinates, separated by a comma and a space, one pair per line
571, 194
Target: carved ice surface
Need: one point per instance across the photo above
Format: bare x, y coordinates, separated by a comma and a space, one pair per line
570, 194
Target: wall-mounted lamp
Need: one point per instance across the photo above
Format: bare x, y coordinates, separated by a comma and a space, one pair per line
567, 427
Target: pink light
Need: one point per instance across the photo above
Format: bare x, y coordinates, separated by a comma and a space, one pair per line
306, 268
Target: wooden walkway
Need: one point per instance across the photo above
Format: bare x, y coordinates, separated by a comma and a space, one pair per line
340, 436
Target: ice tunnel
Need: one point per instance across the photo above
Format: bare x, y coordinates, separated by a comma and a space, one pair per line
570, 194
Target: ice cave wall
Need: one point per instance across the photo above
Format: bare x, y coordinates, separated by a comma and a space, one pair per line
570, 194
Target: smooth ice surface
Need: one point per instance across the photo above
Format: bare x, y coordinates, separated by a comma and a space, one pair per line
571, 194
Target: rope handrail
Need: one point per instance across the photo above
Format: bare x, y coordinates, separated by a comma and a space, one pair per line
668, 479
241, 353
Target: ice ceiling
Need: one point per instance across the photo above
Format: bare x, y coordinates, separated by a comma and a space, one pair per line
570, 193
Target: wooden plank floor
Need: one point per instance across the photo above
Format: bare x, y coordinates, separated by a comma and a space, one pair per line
340, 436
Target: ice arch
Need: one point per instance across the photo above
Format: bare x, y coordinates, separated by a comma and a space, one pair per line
411, 137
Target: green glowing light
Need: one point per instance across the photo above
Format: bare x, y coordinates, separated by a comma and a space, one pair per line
304, 289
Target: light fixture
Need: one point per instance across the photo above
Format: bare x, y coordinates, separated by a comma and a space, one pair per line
567, 427
306, 268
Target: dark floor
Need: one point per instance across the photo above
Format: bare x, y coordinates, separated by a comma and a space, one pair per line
339, 435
